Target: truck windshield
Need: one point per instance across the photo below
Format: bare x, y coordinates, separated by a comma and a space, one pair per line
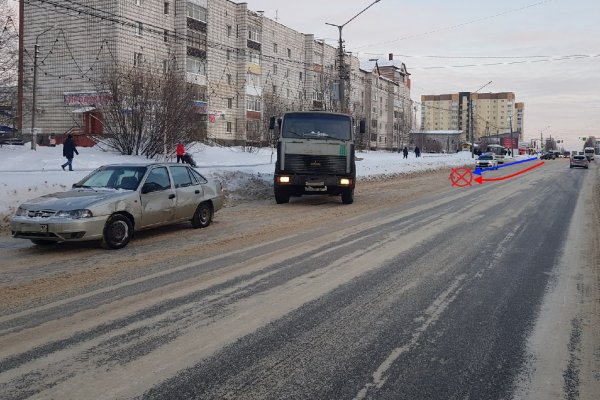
317, 126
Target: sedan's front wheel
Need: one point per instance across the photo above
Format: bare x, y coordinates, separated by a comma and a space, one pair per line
117, 232
203, 216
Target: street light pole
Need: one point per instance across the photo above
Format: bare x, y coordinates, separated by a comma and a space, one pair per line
342, 73
33, 100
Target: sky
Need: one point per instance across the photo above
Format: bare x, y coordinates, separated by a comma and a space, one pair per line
553, 47
27, 174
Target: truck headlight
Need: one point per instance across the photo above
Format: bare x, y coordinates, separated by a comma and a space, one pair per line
345, 182
283, 179
74, 214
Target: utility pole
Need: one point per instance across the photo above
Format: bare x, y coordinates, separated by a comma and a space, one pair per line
512, 147
471, 119
34, 89
343, 74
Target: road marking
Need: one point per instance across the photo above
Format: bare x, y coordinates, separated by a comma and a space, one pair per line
431, 315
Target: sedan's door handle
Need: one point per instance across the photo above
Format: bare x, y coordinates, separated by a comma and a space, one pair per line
197, 191
171, 196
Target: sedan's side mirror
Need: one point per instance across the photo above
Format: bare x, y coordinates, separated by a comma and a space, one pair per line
147, 188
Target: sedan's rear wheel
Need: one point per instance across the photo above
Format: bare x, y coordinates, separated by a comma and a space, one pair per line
117, 232
203, 216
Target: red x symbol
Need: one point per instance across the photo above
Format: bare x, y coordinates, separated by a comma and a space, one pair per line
461, 177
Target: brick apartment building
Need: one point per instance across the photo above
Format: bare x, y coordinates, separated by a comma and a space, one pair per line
244, 67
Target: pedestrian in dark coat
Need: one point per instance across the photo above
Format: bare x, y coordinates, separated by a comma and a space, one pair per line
69, 151
405, 152
417, 151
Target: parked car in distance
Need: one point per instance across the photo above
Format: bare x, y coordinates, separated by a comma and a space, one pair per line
579, 161
113, 201
547, 156
486, 160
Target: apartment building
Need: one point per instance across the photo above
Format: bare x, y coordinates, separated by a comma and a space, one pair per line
490, 114
244, 67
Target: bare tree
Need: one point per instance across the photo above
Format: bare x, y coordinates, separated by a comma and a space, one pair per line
148, 112
9, 56
9, 45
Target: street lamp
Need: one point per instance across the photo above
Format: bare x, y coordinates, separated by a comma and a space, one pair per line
342, 73
35, 56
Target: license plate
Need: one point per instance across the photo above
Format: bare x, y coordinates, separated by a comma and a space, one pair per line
44, 228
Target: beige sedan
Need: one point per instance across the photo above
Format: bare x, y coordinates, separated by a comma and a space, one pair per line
115, 200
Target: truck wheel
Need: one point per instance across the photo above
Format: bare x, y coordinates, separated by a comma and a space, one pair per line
282, 196
348, 196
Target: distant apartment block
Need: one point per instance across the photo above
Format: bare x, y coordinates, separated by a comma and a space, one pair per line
489, 114
244, 68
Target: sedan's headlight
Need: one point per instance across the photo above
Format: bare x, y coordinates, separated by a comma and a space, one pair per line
21, 212
74, 214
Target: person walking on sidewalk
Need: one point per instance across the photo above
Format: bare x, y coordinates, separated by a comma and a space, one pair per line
405, 152
180, 152
69, 150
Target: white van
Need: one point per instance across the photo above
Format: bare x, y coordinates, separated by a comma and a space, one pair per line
589, 153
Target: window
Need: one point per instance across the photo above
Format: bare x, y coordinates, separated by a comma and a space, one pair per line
194, 11
158, 179
253, 80
230, 102
228, 55
166, 8
137, 59
196, 40
253, 58
274, 47
229, 79
165, 66
289, 53
253, 34
253, 103
195, 65
300, 76
139, 28
274, 69
229, 30
165, 36
181, 176
228, 127
274, 89
288, 93
138, 3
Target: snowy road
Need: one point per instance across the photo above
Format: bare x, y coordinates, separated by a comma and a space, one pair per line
419, 290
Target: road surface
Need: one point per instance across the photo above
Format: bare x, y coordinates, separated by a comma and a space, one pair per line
419, 290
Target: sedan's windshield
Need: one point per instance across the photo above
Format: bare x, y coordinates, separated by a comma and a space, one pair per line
485, 158
113, 177
317, 126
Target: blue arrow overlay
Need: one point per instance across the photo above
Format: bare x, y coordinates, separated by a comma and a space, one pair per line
479, 171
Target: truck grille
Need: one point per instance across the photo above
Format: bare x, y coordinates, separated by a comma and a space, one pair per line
304, 164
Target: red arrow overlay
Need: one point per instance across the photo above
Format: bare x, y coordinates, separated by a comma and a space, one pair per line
480, 179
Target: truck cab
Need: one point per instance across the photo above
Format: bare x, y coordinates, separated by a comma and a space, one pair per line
315, 155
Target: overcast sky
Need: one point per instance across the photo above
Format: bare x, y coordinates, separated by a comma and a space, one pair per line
562, 97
